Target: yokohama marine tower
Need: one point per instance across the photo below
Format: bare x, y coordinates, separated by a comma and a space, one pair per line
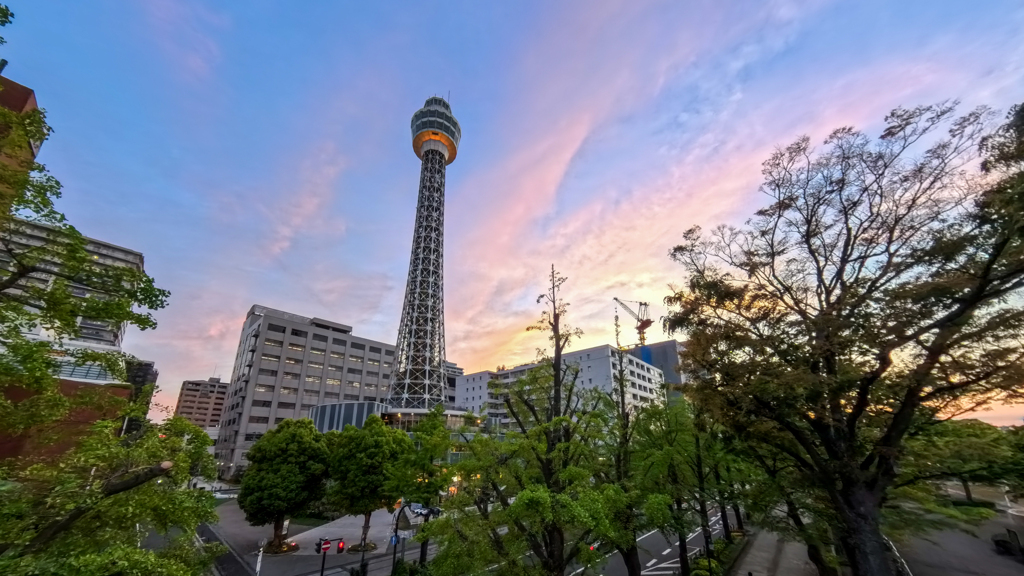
419, 381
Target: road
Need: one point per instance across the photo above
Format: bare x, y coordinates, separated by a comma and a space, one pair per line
658, 556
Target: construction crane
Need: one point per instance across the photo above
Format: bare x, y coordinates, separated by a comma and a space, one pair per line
642, 316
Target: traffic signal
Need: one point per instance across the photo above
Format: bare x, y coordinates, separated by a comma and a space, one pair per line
318, 545
341, 546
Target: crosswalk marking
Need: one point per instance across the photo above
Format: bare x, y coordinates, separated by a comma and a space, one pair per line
666, 551
652, 561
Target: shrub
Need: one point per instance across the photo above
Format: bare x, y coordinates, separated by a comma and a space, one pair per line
709, 566
699, 573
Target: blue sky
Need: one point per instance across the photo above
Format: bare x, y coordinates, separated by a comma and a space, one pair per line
259, 151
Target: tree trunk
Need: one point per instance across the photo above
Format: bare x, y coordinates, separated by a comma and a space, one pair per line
423, 545
967, 489
725, 521
705, 526
631, 558
815, 551
860, 534
684, 558
362, 541
278, 540
816, 554
739, 516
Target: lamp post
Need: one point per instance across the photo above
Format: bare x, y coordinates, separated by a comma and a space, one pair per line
394, 551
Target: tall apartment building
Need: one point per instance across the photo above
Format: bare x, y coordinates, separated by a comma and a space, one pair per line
286, 364
597, 365
94, 334
665, 356
201, 402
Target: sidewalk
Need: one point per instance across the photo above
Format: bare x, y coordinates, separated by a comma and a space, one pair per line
768, 555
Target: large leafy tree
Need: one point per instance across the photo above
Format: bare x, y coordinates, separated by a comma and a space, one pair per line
423, 473
87, 511
874, 292
527, 502
361, 465
621, 477
286, 472
53, 283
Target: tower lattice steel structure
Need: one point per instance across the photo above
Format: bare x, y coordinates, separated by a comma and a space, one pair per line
419, 379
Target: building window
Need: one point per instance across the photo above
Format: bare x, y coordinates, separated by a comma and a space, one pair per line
286, 405
258, 420
369, 399
308, 406
358, 346
337, 342
270, 342
271, 358
389, 352
291, 376
316, 365
275, 328
299, 333
370, 386
278, 420
351, 396
354, 358
335, 367
319, 338
320, 351
297, 347
253, 436
374, 350
331, 395
267, 372
264, 388
373, 374
387, 364
356, 371
261, 403
373, 362
289, 360
338, 355
289, 391
312, 378
334, 381
354, 383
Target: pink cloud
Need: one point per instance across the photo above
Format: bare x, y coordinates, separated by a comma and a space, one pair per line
304, 206
184, 32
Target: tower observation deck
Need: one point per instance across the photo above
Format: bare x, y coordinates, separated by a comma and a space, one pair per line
419, 380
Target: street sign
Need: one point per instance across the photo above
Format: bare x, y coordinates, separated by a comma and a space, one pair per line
284, 530
325, 545
406, 533
394, 539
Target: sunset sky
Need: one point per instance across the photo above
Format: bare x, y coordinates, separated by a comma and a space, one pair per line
259, 151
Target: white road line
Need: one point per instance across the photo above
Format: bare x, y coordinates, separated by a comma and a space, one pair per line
666, 551
652, 562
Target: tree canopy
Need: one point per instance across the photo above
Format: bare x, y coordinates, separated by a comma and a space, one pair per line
872, 294
361, 465
286, 472
79, 513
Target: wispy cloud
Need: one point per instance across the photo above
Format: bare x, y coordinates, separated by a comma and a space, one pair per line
301, 203
185, 32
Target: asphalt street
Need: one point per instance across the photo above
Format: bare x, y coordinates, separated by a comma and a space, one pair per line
658, 555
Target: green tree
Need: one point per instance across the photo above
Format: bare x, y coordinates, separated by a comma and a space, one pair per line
964, 451
51, 284
286, 472
620, 478
360, 467
873, 291
86, 511
422, 472
527, 502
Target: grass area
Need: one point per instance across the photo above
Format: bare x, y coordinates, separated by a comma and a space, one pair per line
222, 501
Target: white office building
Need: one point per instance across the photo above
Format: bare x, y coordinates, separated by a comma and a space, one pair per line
597, 369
